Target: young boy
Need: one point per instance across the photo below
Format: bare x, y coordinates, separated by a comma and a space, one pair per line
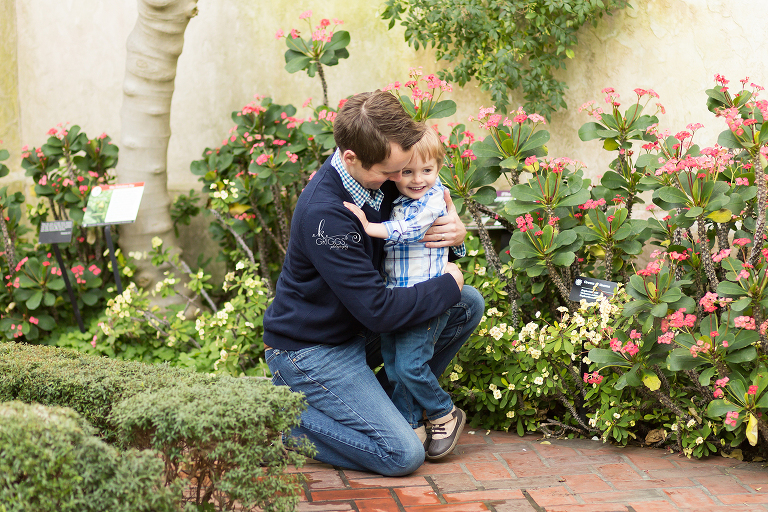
406, 352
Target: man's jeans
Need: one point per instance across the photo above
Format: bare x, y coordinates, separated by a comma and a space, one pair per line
406, 356
349, 417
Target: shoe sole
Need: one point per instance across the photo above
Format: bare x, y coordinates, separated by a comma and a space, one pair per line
455, 439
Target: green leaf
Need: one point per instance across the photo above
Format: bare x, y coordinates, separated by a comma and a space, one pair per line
485, 195
34, 301
660, 310
297, 64
536, 140
744, 355
588, 131
717, 408
706, 376
673, 195
442, 109
339, 40
730, 289
681, 359
720, 216
728, 140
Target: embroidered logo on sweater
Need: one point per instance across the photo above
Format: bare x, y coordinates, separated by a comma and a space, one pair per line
335, 241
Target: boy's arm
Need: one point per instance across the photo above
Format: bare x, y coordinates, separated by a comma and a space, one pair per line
372, 229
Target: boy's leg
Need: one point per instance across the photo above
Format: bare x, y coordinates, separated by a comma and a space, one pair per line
349, 418
411, 375
391, 351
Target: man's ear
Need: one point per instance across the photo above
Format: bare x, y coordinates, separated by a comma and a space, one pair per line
349, 157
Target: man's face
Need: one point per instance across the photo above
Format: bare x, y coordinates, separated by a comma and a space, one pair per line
390, 169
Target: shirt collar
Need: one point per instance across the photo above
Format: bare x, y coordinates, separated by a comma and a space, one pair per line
360, 195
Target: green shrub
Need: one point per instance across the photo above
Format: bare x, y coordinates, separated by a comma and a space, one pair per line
219, 432
90, 385
49, 460
225, 436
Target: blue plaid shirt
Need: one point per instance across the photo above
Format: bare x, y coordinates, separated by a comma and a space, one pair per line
409, 261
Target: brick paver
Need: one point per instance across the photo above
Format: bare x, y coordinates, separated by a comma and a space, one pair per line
501, 472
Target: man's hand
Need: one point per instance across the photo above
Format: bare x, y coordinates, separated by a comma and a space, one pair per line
455, 271
448, 230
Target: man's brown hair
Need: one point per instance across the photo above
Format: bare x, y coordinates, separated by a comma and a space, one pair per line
368, 122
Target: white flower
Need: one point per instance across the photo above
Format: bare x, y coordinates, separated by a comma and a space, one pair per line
538, 381
690, 423
454, 376
699, 440
510, 414
511, 387
538, 314
496, 332
458, 368
534, 353
562, 309
240, 265
616, 415
492, 312
156, 242
493, 387
497, 394
480, 271
473, 253
180, 315
674, 427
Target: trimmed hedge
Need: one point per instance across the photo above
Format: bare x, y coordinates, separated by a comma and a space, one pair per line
221, 434
88, 384
51, 461
226, 445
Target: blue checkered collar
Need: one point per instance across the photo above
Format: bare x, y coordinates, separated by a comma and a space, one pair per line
360, 195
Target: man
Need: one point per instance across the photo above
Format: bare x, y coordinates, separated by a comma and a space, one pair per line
321, 330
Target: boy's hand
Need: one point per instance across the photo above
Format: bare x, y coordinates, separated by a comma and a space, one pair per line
455, 271
358, 212
448, 230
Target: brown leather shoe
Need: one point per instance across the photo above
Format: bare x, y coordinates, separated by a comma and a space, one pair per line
445, 435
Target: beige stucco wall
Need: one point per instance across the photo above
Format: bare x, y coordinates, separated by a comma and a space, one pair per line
71, 59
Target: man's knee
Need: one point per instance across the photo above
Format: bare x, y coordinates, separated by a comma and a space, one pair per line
409, 458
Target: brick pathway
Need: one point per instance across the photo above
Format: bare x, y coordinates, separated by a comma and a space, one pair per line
506, 473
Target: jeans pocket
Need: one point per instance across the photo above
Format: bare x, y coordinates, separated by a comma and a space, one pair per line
277, 379
270, 354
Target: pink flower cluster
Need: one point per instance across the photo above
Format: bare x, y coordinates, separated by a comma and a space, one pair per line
592, 204
593, 378
745, 322
629, 348
652, 269
731, 418
678, 320
719, 385
525, 223
700, 346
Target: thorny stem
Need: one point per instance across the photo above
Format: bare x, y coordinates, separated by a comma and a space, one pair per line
757, 245
268, 230
10, 252
510, 285
239, 239
321, 74
609, 262
705, 393
501, 220
261, 246
564, 292
282, 217
706, 254
568, 405
185, 268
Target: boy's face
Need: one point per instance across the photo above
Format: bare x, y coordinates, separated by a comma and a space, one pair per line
418, 177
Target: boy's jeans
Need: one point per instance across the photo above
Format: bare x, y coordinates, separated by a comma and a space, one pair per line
349, 417
406, 356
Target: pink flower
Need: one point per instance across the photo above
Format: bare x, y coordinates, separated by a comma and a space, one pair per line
295, 34
744, 322
742, 181
305, 14
325, 22
742, 241
33, 320
307, 102
279, 34
718, 393
752, 390
468, 154
743, 274
262, 159
635, 335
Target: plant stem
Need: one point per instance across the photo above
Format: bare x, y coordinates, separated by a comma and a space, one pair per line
239, 239
564, 291
10, 252
282, 217
757, 244
321, 74
609, 262
706, 254
510, 285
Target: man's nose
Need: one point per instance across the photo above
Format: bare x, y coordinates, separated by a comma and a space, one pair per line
396, 177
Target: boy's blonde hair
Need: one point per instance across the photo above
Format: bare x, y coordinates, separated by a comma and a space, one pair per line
430, 146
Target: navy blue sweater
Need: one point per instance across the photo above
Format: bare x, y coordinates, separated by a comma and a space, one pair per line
330, 286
